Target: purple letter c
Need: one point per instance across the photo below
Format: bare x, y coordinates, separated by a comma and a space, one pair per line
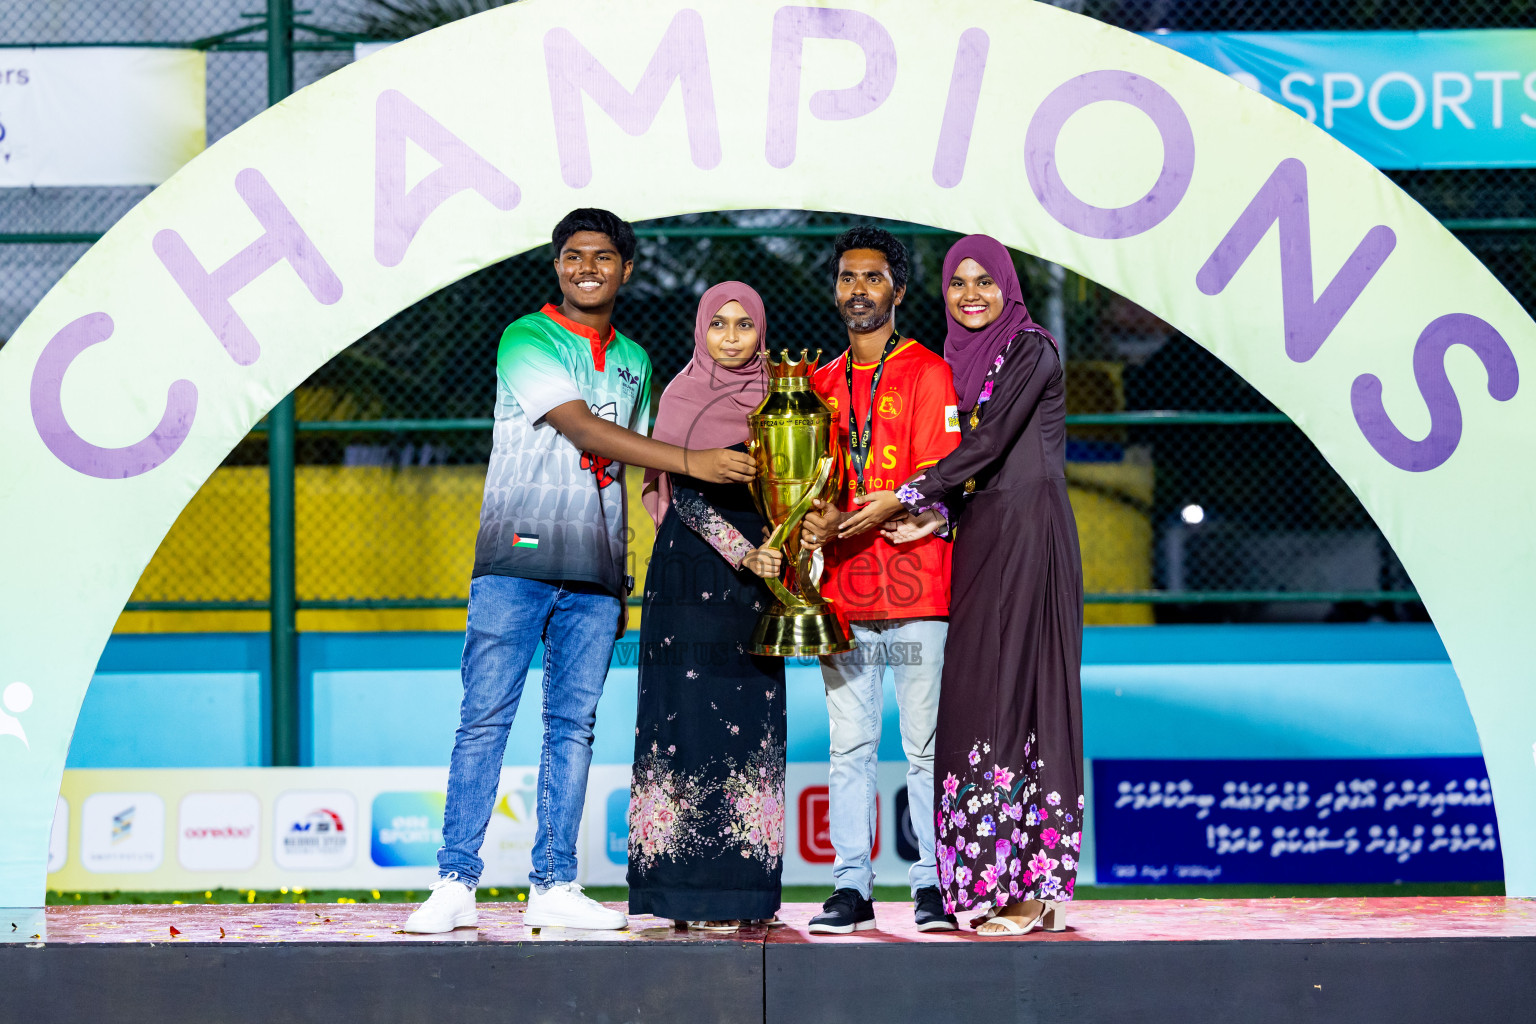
72, 449
1096, 221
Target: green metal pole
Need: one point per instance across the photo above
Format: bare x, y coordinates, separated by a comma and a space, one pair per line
280, 457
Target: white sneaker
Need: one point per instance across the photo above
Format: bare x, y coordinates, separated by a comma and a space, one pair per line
451, 905
563, 905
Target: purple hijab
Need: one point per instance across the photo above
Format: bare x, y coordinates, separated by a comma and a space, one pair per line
706, 405
970, 354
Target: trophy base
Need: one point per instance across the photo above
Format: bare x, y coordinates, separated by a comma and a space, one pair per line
802, 633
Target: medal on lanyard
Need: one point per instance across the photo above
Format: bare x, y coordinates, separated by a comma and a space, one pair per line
858, 441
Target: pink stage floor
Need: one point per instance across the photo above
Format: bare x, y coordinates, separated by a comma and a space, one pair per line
1278, 961
1088, 921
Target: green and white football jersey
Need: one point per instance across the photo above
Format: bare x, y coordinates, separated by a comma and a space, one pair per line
550, 511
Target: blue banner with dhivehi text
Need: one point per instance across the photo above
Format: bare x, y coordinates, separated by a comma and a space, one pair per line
1425, 819
1399, 99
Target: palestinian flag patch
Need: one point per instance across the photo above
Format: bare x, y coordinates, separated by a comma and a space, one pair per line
525, 540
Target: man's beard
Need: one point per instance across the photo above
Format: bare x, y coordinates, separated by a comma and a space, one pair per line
872, 320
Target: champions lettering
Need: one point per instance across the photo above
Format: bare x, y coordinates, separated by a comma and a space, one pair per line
281, 245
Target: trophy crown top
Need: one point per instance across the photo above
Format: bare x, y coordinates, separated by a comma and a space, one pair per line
784, 366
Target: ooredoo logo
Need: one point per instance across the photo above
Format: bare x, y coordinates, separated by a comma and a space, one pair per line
816, 826
122, 832
219, 831
315, 829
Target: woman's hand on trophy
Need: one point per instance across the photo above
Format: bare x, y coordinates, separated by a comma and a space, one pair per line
819, 524
878, 506
905, 529
767, 562
721, 466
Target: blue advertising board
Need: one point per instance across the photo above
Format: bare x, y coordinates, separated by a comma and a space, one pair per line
1400, 99
1294, 821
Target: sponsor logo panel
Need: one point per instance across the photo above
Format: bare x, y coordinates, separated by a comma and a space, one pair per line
219, 831
407, 828
508, 847
617, 833
122, 832
315, 829
816, 826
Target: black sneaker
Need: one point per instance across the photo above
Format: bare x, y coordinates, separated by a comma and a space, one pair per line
845, 912
928, 911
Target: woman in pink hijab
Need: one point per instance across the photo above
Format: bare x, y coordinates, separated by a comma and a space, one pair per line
706, 809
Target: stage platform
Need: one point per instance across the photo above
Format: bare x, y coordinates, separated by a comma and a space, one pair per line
1347, 960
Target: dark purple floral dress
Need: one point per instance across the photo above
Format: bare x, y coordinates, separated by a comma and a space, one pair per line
1008, 759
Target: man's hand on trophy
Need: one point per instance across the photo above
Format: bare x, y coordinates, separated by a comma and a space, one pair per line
721, 465
905, 529
819, 524
765, 561
878, 506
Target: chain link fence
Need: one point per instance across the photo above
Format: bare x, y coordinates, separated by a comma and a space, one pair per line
1196, 499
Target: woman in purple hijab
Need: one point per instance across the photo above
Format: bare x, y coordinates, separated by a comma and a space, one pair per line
706, 809
1008, 757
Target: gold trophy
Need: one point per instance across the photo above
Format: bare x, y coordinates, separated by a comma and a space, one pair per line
797, 462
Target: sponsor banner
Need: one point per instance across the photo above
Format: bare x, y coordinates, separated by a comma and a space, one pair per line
1284, 821
349, 828
1399, 99
1151, 821
111, 115
254, 828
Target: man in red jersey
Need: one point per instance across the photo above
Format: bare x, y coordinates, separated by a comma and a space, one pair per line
893, 405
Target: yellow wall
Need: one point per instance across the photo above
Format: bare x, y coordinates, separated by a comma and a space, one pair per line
1112, 502
372, 532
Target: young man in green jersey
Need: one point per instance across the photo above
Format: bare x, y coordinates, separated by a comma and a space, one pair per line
572, 410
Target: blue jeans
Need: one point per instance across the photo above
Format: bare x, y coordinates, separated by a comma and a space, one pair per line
508, 616
914, 651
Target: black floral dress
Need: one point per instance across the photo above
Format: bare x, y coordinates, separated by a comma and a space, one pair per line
1008, 757
706, 807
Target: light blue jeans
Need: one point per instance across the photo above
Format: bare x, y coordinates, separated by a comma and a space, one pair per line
508, 617
913, 649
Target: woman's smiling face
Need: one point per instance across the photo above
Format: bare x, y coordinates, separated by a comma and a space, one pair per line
732, 336
973, 298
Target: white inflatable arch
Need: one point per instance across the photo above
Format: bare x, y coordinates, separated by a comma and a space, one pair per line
1290, 258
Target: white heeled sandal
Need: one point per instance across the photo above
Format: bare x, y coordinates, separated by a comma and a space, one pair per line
1050, 917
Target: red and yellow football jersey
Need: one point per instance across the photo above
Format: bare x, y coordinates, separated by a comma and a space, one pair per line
914, 426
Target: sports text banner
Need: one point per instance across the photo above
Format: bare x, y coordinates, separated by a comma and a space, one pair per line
1400, 99
110, 115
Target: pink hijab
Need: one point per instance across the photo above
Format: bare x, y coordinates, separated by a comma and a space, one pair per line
706, 405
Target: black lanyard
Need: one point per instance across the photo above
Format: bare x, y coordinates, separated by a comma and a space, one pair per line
858, 441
